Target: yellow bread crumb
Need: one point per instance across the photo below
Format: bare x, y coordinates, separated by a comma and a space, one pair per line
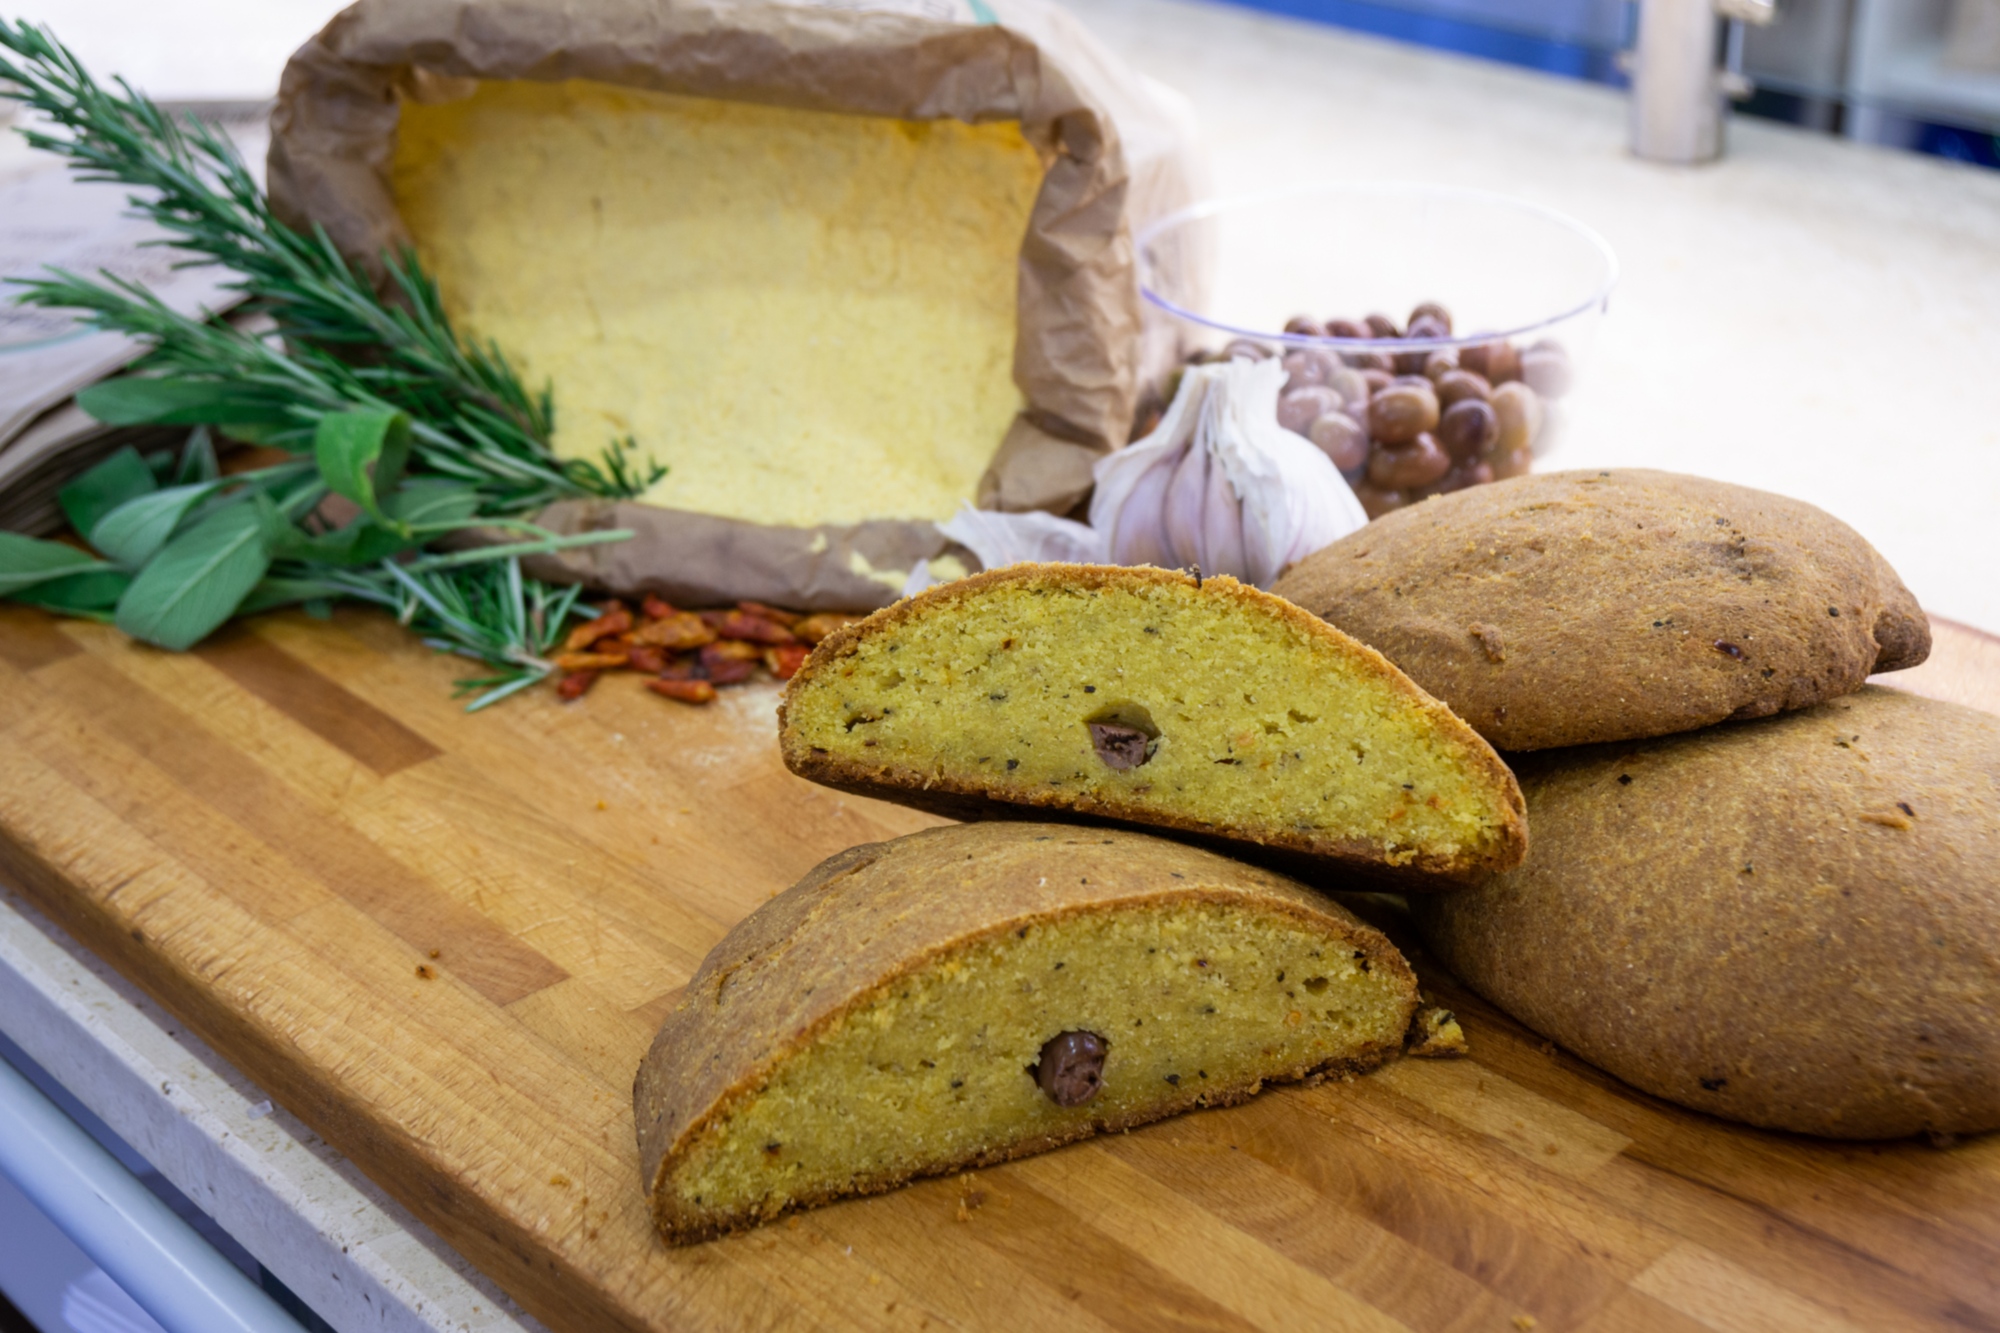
809, 317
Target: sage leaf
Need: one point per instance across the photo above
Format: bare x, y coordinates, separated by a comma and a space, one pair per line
134, 532
361, 453
144, 400
200, 578
359, 543
432, 500
92, 593
121, 477
198, 461
25, 562
275, 592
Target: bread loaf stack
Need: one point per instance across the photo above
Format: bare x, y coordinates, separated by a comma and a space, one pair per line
1757, 887
975, 993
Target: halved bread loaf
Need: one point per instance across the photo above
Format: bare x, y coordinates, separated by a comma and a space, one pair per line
1792, 922
979, 992
1150, 696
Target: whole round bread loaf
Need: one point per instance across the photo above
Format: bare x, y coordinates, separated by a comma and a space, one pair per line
1793, 922
978, 992
1575, 607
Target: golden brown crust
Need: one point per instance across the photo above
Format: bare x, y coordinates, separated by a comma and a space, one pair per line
1791, 922
1578, 607
871, 915
1294, 851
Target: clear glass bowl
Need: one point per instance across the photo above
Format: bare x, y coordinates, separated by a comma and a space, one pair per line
1524, 288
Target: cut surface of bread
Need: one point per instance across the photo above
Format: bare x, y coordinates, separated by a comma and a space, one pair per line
809, 317
978, 992
1790, 922
1574, 607
1150, 696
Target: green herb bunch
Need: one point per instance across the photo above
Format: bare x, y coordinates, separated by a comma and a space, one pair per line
381, 403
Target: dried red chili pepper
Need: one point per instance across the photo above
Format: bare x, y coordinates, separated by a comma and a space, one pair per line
727, 668
786, 659
770, 613
749, 628
687, 691
814, 628
675, 632
617, 620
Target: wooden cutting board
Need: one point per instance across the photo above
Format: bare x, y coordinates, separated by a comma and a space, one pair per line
444, 941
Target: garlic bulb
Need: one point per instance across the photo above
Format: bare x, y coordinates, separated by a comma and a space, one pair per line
1220, 485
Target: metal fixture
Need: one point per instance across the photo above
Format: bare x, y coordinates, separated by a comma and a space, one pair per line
1684, 70
173, 1274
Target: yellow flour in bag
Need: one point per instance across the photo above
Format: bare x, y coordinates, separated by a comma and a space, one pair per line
809, 317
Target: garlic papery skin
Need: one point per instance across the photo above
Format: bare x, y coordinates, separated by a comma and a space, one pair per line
1220, 485
1008, 539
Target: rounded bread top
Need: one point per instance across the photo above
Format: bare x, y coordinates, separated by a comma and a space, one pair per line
1575, 607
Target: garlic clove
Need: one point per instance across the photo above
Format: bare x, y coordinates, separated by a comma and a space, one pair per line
1141, 534
1137, 525
1223, 519
1182, 512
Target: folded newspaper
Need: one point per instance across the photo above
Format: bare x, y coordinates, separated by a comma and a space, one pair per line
50, 220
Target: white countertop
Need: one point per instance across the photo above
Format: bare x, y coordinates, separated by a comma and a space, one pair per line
356, 1257
1808, 315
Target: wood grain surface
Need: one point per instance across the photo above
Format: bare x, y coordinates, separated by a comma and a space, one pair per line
444, 942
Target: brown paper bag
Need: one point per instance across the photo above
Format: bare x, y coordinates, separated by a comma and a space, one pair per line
1118, 152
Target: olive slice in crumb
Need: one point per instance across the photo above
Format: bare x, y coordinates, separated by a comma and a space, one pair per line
1071, 1068
1120, 747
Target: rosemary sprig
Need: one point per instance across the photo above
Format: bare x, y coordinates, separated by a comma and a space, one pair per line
278, 395
193, 184
489, 612
390, 409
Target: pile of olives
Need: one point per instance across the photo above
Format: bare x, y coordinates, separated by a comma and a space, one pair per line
1403, 425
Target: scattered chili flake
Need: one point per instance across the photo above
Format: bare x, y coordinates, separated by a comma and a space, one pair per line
786, 659
616, 620
687, 691
689, 653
